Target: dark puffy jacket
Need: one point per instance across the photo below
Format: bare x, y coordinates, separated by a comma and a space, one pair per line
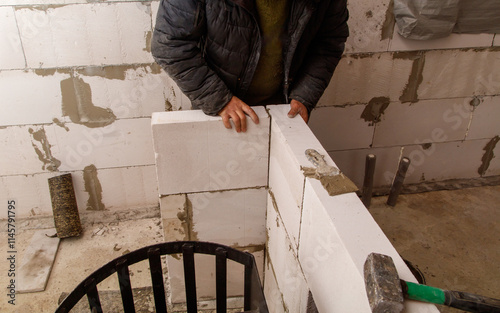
211, 48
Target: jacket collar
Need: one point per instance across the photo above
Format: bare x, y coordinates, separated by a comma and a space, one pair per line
249, 5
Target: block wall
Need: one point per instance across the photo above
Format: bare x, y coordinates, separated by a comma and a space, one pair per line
78, 87
316, 243
212, 187
436, 102
249, 191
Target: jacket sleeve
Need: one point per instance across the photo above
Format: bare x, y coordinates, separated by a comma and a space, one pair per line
322, 57
175, 46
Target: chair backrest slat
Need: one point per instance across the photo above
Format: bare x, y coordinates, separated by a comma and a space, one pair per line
157, 280
125, 286
189, 277
93, 296
221, 279
248, 288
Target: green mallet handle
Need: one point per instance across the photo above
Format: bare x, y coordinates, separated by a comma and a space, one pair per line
455, 299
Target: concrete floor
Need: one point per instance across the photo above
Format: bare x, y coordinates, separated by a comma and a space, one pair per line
452, 237
79, 257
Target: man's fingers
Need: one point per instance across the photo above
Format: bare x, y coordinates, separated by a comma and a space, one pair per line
304, 115
237, 122
297, 107
293, 112
235, 110
243, 120
248, 110
225, 120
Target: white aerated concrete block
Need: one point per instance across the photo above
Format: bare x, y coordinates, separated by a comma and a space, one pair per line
274, 298
280, 187
485, 119
234, 218
36, 102
290, 138
125, 142
128, 91
459, 73
175, 99
329, 124
337, 235
427, 121
128, 187
30, 193
285, 263
352, 163
296, 135
452, 41
360, 78
154, 11
443, 161
26, 150
43, 2
494, 166
85, 34
11, 51
196, 153
496, 40
367, 23
205, 276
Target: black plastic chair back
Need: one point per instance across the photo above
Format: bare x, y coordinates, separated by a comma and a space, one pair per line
254, 299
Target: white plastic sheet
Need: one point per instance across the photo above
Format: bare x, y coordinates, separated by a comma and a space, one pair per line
429, 19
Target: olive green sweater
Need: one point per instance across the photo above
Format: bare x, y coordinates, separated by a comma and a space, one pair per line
268, 75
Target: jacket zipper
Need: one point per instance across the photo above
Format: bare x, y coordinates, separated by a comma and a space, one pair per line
254, 53
297, 29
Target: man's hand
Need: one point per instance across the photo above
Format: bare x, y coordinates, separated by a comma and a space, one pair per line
236, 110
297, 107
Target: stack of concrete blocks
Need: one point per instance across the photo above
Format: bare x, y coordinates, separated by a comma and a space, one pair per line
434, 101
78, 86
213, 186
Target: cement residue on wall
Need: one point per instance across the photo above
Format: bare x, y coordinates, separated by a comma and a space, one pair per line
42, 149
77, 104
118, 72
389, 22
488, 155
93, 188
333, 184
168, 105
148, 36
187, 223
410, 92
60, 124
375, 109
51, 71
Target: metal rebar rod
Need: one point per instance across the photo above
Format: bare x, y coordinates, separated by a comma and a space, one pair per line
366, 195
397, 184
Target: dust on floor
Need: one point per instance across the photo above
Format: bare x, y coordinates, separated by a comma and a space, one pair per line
79, 257
452, 237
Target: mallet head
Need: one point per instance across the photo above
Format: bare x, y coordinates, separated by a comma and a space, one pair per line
382, 284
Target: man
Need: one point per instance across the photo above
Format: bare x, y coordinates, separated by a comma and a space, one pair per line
227, 55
